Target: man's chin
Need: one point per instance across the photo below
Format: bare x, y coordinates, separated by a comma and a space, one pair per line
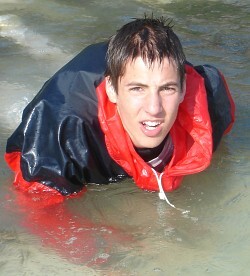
149, 143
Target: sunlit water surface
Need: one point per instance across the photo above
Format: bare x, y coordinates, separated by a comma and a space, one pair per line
119, 229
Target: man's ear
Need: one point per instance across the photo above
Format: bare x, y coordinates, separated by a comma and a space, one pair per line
183, 92
110, 90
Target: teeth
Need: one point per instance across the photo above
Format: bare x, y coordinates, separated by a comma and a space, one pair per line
150, 125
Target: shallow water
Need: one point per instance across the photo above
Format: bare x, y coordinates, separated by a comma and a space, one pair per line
119, 229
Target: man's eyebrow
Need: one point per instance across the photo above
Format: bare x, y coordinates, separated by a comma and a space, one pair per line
136, 84
169, 83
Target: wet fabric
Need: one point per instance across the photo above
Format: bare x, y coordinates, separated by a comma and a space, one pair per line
71, 134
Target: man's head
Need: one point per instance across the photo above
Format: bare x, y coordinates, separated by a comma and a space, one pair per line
152, 39
145, 78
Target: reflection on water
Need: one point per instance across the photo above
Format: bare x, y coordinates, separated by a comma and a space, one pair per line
119, 229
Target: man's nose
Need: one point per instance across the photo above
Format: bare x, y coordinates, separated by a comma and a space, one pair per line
153, 104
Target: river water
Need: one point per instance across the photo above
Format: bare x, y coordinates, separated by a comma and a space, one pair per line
118, 229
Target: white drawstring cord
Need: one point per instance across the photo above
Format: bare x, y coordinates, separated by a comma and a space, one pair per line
162, 194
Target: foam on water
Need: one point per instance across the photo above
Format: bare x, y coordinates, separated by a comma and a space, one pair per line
16, 95
12, 104
36, 44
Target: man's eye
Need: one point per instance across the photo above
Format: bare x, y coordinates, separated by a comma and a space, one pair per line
169, 89
136, 89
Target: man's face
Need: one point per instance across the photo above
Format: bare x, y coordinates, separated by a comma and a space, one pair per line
147, 100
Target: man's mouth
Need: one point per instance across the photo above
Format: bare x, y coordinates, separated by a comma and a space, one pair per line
151, 125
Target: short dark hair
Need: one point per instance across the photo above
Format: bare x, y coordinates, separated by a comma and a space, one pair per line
151, 38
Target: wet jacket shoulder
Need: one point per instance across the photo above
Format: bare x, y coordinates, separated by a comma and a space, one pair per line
220, 103
59, 139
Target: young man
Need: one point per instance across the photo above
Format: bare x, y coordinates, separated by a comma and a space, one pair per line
130, 107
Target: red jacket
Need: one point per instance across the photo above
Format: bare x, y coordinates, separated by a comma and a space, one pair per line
71, 133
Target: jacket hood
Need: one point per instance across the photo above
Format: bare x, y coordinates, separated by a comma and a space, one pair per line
191, 135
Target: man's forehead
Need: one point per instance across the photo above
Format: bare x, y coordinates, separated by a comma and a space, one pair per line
150, 63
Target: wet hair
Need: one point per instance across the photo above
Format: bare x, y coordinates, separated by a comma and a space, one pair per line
149, 38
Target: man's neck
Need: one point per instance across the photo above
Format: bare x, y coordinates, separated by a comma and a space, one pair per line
148, 154
159, 156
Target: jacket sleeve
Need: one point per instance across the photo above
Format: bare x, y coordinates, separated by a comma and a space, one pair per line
51, 144
220, 103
